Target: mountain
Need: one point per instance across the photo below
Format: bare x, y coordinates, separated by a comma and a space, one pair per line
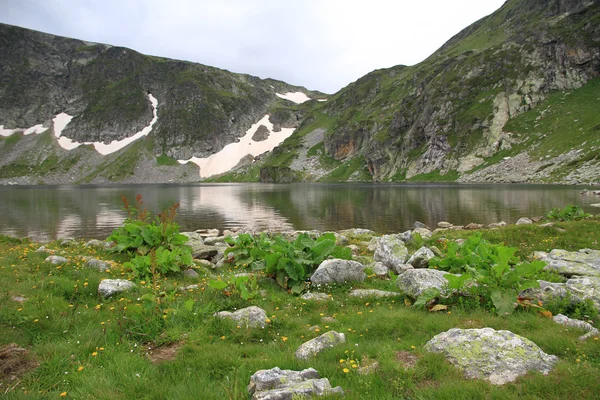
109, 92
512, 98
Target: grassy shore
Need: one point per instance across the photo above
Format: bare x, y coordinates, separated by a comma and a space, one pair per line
156, 342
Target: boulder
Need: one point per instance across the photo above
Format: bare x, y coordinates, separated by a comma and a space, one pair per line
406, 236
575, 323
496, 356
56, 260
585, 262
204, 233
497, 224
277, 384
97, 264
108, 287
424, 232
577, 289
318, 344
99, 244
524, 221
310, 296
402, 268
380, 269
421, 257
204, 263
391, 251
250, 317
190, 273
420, 225
354, 232
415, 281
444, 225
194, 239
204, 252
372, 293
338, 271
473, 226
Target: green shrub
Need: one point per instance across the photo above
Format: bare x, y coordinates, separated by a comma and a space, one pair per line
569, 213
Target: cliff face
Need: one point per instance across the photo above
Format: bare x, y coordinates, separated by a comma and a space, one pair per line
447, 117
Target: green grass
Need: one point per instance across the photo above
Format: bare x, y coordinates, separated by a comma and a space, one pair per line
435, 176
165, 160
347, 169
66, 326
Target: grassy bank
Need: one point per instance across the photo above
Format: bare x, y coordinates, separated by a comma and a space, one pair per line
156, 342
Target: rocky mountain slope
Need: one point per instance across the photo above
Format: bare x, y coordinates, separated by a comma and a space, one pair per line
512, 98
109, 92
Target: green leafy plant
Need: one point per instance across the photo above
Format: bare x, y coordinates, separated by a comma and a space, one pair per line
244, 286
569, 213
155, 244
290, 263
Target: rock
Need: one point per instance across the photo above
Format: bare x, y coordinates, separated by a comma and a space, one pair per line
68, 242
547, 225
380, 270
406, 236
595, 205
204, 263
41, 249
97, 264
213, 241
420, 225
368, 369
194, 240
188, 288
354, 248
402, 268
575, 323
318, 344
421, 257
444, 225
585, 262
372, 293
524, 221
415, 281
577, 289
277, 384
391, 251
99, 244
473, 226
204, 252
108, 287
338, 271
340, 240
310, 296
190, 273
354, 232
252, 317
373, 244
424, 232
262, 133
56, 260
457, 227
497, 224
18, 299
496, 356
204, 233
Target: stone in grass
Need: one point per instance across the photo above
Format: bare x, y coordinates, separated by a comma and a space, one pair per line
421, 257
577, 290
415, 281
444, 225
278, 384
99, 244
310, 296
496, 356
338, 271
575, 323
424, 232
108, 287
56, 260
372, 293
391, 251
190, 273
318, 344
584, 262
97, 264
250, 317
380, 269
524, 221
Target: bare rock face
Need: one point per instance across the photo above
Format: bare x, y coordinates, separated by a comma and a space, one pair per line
253, 317
496, 356
318, 344
278, 384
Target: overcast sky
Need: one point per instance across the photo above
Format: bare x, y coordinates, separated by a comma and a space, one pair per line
319, 44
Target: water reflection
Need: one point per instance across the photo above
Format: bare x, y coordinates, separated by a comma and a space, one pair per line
50, 212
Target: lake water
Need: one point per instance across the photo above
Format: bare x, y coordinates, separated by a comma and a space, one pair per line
51, 212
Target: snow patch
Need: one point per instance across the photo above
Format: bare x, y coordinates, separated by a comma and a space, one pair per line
296, 97
230, 155
321, 99
37, 129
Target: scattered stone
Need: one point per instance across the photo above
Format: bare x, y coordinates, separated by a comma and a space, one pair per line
212, 241
457, 227
372, 293
496, 356
68, 242
190, 273
97, 264
357, 232
402, 268
373, 244
575, 323
444, 225
204, 263
497, 224
595, 205
99, 244
277, 384
340, 240
415, 281
251, 317
41, 249
318, 344
577, 289
108, 287
355, 249
310, 296
56, 260
420, 225
547, 225
524, 221
421, 257
473, 226
406, 236
314, 328
585, 262
328, 320
204, 233
537, 219
391, 251
188, 288
380, 270
18, 299
204, 252
338, 271
424, 232
437, 252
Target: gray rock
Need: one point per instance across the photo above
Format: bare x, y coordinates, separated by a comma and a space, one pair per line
391, 251
406, 236
204, 263
277, 384
473, 226
213, 241
547, 225
497, 224
68, 242
310, 296
99, 244
338, 271
108, 287
188, 288
402, 268
420, 225
585, 262
97, 264
577, 289
252, 317
575, 323
355, 249
424, 232
380, 270
190, 273
204, 233
368, 369
41, 249
373, 244
524, 221
262, 133
496, 356
194, 240
372, 293
357, 232
421, 257
444, 225
204, 252
56, 260
415, 281
318, 344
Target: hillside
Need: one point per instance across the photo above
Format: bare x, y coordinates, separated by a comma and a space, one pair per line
511, 98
